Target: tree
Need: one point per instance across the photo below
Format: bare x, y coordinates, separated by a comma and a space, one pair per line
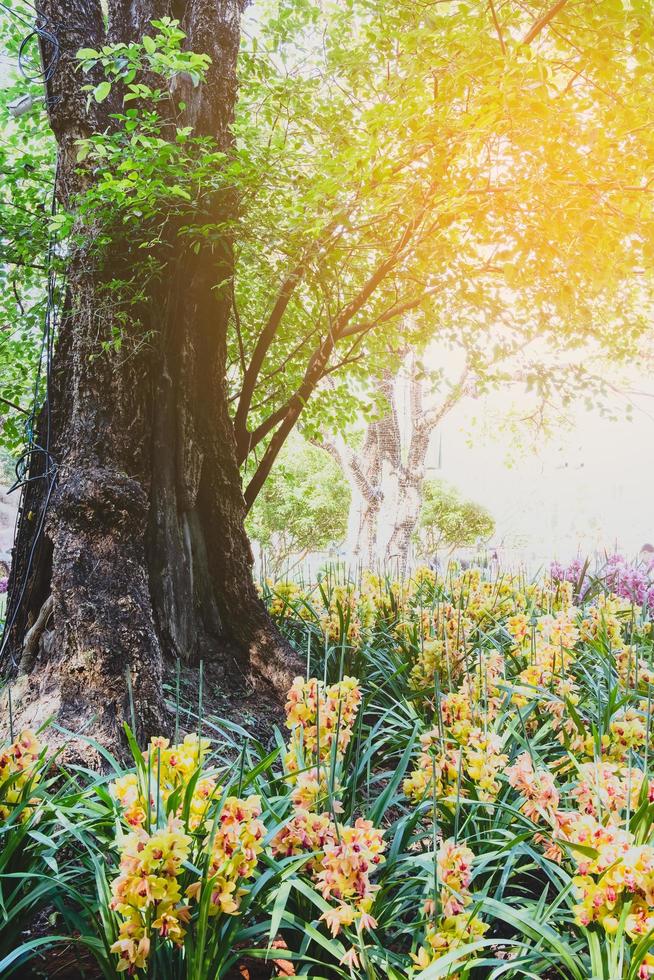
384, 158
302, 508
141, 554
387, 468
449, 521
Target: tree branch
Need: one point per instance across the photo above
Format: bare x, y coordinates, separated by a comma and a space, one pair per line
351, 462
542, 22
267, 336
497, 27
396, 310
17, 408
269, 331
290, 411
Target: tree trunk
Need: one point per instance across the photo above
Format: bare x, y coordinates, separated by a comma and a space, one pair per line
409, 498
387, 473
143, 556
363, 472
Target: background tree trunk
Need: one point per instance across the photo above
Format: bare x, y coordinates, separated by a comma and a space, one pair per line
387, 472
144, 556
363, 472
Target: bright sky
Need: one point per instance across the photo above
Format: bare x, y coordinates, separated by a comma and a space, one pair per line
590, 487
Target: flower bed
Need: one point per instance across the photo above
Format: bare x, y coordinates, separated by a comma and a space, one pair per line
462, 789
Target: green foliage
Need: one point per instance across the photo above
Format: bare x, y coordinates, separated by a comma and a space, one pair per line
303, 506
35, 859
449, 521
27, 167
388, 159
405, 153
147, 164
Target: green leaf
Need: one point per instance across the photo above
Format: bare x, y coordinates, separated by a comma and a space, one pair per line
101, 91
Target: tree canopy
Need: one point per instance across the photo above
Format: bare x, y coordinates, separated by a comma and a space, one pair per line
302, 508
482, 168
448, 520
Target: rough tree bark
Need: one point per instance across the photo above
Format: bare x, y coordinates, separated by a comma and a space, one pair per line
387, 472
143, 557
